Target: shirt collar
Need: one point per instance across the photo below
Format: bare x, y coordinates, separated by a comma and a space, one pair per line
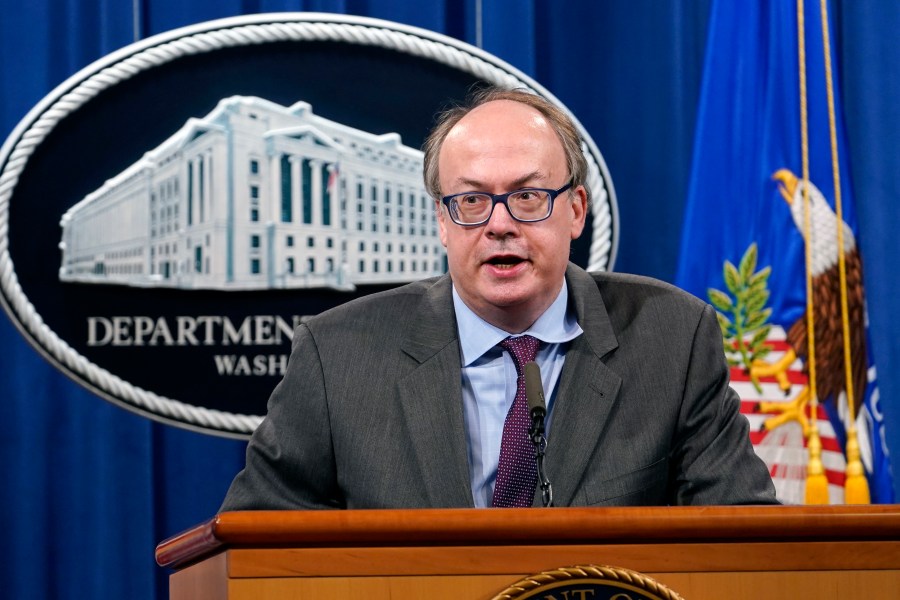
476, 336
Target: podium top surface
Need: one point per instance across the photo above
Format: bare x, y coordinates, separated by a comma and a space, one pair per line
427, 527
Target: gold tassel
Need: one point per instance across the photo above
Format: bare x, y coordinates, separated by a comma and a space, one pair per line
856, 488
816, 483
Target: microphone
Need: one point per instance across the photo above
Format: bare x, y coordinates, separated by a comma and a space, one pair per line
537, 408
534, 391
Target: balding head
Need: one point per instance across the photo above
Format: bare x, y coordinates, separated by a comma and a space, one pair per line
558, 120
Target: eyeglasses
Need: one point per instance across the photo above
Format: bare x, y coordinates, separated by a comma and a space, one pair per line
527, 205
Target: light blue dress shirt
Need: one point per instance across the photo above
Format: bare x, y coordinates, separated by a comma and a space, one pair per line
489, 381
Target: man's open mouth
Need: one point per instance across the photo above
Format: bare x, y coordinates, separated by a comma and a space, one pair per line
505, 262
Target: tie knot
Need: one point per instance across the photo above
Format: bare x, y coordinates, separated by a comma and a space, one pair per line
523, 349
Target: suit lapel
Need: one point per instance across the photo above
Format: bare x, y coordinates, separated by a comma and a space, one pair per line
431, 396
431, 400
587, 391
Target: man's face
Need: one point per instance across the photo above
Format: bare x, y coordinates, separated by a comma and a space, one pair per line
508, 272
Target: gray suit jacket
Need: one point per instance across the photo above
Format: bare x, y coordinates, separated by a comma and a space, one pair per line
369, 413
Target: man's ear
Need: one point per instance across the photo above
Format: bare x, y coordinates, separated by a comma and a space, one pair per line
579, 207
442, 225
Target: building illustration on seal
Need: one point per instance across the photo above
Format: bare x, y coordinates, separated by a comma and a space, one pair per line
256, 195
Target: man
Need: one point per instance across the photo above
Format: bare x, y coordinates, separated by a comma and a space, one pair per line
405, 398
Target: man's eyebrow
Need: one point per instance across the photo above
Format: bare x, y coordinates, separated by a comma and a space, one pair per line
476, 185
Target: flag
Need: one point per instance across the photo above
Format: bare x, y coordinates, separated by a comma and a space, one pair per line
769, 205
334, 174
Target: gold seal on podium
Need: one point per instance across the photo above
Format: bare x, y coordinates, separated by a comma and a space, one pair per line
588, 582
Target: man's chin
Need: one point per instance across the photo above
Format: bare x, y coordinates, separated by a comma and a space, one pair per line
510, 299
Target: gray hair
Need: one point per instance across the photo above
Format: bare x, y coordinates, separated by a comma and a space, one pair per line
559, 120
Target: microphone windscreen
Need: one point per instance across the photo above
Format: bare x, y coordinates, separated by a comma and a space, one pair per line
534, 389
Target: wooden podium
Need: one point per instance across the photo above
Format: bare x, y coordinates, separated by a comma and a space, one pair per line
771, 553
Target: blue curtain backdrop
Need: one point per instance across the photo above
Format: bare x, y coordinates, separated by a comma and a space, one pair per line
89, 488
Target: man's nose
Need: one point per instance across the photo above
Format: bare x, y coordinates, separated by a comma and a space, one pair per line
501, 221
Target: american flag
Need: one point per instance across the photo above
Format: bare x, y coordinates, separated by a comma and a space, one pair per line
784, 448
333, 177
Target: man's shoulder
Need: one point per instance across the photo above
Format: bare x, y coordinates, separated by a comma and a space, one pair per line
636, 282
393, 303
616, 288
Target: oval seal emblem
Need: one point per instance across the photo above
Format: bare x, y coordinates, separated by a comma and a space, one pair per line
171, 212
588, 582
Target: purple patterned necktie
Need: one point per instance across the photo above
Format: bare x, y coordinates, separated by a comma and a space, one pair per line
517, 470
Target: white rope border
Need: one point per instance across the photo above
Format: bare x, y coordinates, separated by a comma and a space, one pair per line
197, 43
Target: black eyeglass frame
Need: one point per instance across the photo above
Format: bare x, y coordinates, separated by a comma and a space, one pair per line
504, 199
